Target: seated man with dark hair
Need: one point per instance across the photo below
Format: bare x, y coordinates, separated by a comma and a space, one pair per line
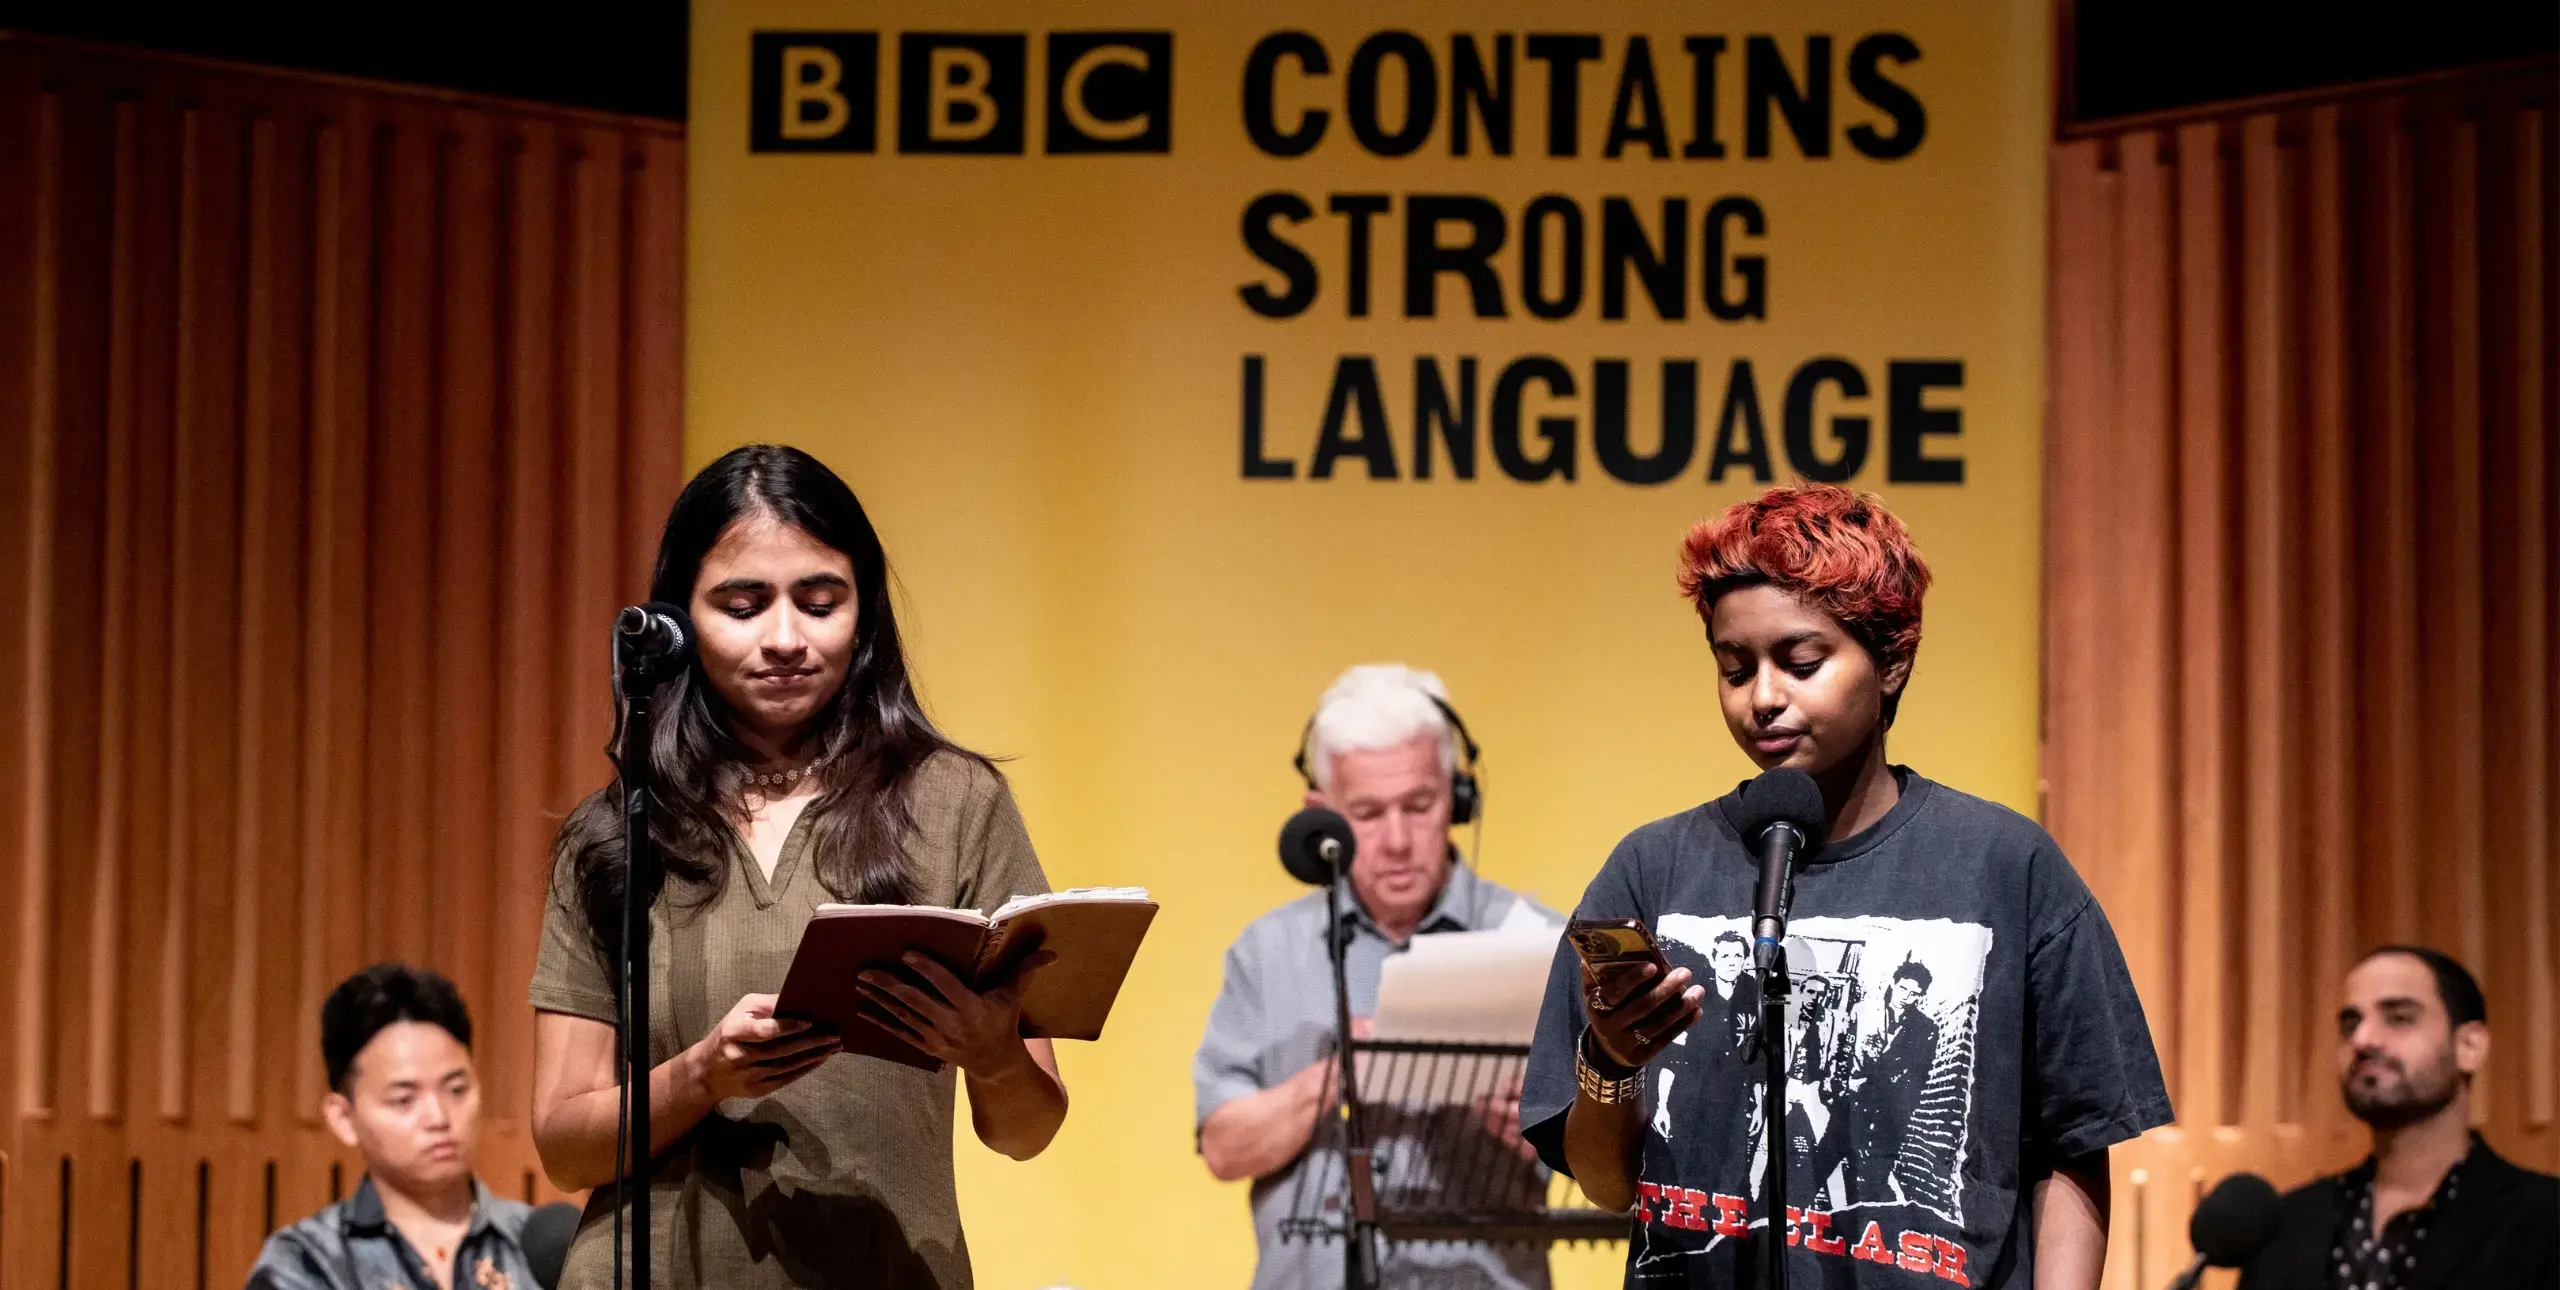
397, 1042
2432, 1208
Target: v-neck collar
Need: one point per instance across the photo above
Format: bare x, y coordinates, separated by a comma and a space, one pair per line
785, 864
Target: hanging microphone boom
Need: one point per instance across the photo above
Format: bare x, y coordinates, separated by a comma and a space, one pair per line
1781, 819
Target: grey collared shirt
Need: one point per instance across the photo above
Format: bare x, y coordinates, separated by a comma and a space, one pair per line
353, 1246
1274, 1018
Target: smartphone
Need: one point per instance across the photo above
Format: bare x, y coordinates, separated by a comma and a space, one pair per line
1613, 949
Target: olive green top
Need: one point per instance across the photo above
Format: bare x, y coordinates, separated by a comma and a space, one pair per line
844, 1177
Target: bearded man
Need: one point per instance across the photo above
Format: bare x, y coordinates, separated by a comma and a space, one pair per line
2432, 1208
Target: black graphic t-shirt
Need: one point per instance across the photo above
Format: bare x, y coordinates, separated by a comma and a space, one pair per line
1961, 1018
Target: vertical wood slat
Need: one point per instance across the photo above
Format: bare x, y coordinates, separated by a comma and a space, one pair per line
2538, 837
2455, 559
260, 355
2329, 875
2078, 354
2147, 552
2356, 501
18, 235
654, 343
462, 587
34, 1012
2268, 475
261, 558
591, 379
399, 739
2508, 733
334, 542
2203, 543
529, 768
2547, 963
2394, 530
186, 604
105, 1014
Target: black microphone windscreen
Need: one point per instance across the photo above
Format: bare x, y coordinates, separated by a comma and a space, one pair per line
683, 622
1302, 842
545, 1241
2234, 1221
1782, 796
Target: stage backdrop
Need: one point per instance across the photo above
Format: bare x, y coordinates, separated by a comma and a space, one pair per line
1184, 358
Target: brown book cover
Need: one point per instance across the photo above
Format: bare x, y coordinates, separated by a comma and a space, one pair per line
1094, 931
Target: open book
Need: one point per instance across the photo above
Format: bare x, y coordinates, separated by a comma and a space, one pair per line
1094, 931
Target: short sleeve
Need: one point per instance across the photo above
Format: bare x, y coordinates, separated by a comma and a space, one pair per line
1548, 1087
2093, 1079
996, 859
286, 1262
569, 973
1228, 1065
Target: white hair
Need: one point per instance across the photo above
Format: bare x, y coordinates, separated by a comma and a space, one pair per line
1378, 705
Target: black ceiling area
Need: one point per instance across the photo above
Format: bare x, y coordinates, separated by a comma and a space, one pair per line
2125, 56
612, 55
2136, 56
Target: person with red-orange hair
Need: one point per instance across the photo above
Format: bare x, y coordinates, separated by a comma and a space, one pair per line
1964, 1043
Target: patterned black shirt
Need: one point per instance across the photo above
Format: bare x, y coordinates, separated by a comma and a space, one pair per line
2364, 1259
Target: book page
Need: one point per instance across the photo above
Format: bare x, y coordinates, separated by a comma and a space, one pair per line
1019, 903
900, 911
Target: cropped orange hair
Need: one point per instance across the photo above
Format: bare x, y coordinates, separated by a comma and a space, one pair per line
1841, 551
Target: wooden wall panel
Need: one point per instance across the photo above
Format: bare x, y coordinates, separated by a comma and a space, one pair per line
2300, 532
332, 416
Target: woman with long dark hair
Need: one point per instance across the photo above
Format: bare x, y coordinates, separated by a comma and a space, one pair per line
792, 766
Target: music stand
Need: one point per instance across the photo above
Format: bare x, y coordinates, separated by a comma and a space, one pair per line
1436, 1170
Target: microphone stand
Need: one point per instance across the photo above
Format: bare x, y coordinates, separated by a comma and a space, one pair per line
638, 679
1358, 1274
1773, 1117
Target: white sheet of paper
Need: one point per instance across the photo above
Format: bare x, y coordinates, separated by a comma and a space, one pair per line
1467, 987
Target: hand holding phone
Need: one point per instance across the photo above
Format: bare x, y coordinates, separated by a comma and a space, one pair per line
1637, 1002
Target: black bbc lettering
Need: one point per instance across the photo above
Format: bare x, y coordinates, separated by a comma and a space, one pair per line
814, 91
1110, 91
961, 92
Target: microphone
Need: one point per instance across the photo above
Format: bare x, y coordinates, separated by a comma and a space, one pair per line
2232, 1223
1780, 817
545, 1241
1315, 845
654, 639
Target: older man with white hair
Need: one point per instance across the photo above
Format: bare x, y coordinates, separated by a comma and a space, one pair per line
1383, 749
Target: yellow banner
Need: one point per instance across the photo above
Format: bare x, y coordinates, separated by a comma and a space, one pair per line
1185, 354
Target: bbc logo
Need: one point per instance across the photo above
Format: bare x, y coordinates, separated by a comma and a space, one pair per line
961, 92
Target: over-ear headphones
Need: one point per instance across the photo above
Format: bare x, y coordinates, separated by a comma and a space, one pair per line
1466, 792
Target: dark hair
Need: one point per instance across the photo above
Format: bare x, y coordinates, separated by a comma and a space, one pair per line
379, 997
2455, 986
1916, 970
870, 741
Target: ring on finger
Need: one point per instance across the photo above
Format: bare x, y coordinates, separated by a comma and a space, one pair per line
1637, 1036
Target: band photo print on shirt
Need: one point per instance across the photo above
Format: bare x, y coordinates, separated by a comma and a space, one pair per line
1880, 1035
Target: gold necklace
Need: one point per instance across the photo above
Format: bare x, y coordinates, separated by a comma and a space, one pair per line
784, 778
